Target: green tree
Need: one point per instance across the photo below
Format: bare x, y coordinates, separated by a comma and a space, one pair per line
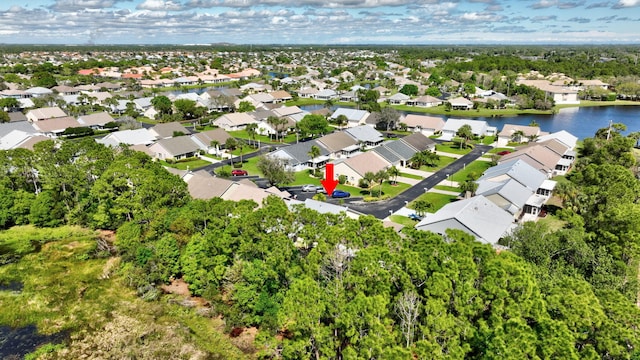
274, 169
245, 106
380, 177
394, 172
314, 152
466, 134
409, 89
433, 91
162, 104
186, 107
312, 125
422, 206
231, 144
4, 117
277, 124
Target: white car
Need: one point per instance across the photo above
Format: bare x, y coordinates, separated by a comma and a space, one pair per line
312, 188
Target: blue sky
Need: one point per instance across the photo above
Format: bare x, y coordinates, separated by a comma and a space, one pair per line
320, 21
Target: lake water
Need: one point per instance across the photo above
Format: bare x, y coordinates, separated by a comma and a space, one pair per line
582, 122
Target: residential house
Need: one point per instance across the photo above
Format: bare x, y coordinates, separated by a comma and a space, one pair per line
168, 130
298, 158
427, 125
328, 208
567, 155
17, 116
234, 121
340, 144
325, 94
563, 136
518, 133
355, 117
19, 139
205, 139
96, 121
366, 136
559, 94
45, 113
175, 148
460, 103
128, 137
56, 126
287, 111
476, 216
425, 101
39, 91
398, 99
497, 182
280, 96
478, 128
419, 142
538, 156
307, 93
355, 168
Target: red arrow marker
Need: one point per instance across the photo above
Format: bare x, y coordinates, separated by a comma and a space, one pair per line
329, 183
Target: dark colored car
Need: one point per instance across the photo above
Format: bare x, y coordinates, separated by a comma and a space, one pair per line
505, 152
238, 172
415, 217
340, 194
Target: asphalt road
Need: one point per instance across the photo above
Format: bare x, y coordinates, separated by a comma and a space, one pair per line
382, 209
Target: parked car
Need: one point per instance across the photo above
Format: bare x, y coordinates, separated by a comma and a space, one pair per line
311, 188
505, 152
415, 217
340, 194
239, 172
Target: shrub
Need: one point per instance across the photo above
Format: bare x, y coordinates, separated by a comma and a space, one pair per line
342, 179
363, 183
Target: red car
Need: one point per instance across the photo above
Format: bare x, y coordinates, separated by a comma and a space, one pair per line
505, 152
238, 172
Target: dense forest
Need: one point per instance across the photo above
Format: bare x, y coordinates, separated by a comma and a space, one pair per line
330, 287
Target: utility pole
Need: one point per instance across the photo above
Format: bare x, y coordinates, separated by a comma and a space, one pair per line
609, 131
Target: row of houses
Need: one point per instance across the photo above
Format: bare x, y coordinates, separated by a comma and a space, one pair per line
515, 190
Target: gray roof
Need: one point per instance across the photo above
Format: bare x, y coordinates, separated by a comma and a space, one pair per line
387, 154
166, 130
16, 116
365, 133
477, 216
404, 151
178, 145
419, 141
324, 207
511, 190
518, 170
25, 126
300, 151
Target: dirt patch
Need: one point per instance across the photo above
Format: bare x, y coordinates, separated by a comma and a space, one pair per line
108, 235
245, 340
180, 287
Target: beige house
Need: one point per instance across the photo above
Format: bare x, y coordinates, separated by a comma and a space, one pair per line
174, 148
45, 113
509, 133
356, 167
234, 121
428, 125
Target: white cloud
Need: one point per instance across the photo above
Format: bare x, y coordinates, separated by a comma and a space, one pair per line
160, 5
628, 3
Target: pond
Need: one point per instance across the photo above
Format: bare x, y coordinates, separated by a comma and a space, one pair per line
16, 343
582, 122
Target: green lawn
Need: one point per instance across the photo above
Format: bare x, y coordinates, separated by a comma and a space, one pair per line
476, 167
498, 149
447, 188
402, 220
443, 162
191, 165
437, 200
452, 148
411, 176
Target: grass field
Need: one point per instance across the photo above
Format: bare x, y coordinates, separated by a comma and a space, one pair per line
403, 220
476, 168
191, 165
436, 200
443, 162
452, 148
67, 288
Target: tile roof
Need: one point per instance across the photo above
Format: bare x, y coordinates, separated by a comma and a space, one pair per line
419, 141
177, 145
337, 141
367, 162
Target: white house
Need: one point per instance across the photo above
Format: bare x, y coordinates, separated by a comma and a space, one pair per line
428, 125
234, 121
476, 216
478, 128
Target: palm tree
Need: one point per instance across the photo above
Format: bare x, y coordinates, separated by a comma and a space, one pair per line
533, 137
252, 131
517, 136
422, 206
370, 178
329, 103
215, 144
231, 145
342, 120
393, 172
380, 177
276, 122
466, 133
241, 145
314, 152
